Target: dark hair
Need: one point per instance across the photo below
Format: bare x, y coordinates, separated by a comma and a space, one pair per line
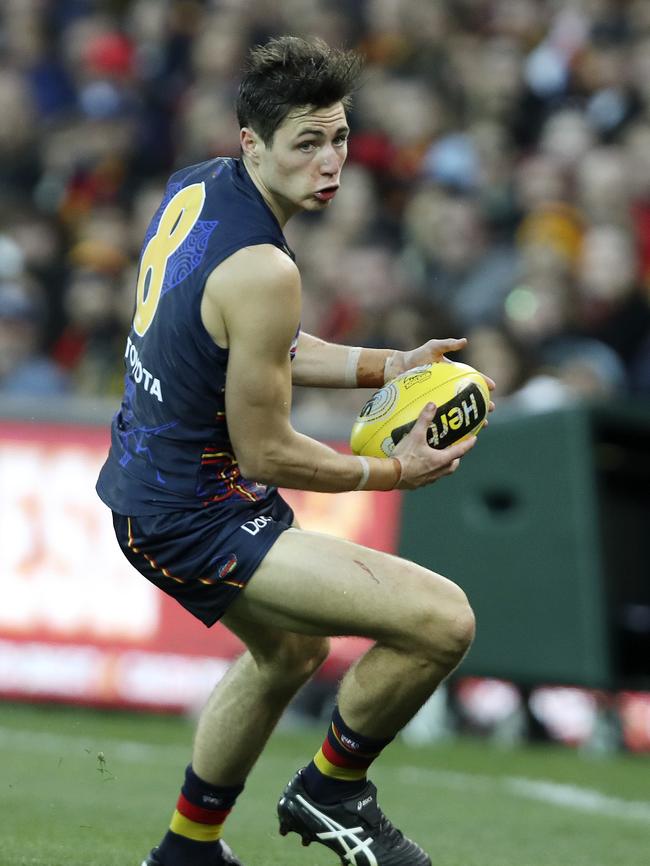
289, 72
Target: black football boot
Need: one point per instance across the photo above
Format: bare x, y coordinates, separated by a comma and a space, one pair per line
224, 858
355, 828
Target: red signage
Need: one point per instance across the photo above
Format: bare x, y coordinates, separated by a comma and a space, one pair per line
77, 623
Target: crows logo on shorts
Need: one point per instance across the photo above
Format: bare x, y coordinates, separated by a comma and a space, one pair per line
228, 566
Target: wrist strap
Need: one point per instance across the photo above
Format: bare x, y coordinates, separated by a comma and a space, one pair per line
351, 365
365, 473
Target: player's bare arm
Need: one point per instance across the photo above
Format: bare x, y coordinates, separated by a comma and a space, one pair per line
255, 298
320, 364
252, 302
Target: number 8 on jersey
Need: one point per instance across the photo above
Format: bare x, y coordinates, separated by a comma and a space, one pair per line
177, 221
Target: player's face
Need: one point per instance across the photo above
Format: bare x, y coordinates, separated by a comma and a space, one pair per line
301, 169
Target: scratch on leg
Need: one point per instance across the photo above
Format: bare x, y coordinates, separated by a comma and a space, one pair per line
367, 570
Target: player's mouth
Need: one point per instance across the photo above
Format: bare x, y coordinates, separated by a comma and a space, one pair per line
327, 193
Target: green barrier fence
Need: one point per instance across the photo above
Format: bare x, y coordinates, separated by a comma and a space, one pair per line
546, 526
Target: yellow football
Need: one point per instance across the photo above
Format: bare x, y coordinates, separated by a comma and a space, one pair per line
459, 391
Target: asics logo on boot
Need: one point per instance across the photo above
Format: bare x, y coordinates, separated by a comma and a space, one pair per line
363, 803
354, 849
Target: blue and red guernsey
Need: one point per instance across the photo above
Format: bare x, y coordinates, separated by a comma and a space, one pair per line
170, 448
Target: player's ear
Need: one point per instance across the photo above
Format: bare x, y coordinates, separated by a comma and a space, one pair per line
251, 143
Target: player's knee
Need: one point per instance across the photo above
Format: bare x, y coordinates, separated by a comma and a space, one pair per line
447, 626
461, 627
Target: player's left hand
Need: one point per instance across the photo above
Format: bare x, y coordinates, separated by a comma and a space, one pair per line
433, 351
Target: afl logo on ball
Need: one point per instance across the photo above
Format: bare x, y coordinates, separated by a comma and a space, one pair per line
415, 376
380, 403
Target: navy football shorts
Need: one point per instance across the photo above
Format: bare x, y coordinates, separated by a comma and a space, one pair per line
203, 558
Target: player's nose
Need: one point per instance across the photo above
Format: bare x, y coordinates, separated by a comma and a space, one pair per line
329, 162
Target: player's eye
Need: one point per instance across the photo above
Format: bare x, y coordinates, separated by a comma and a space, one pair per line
340, 140
306, 146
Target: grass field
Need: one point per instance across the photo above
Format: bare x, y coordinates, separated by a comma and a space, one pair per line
81, 788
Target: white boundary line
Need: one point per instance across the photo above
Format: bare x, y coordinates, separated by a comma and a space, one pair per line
542, 790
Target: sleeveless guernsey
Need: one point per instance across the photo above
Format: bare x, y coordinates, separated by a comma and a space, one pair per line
170, 449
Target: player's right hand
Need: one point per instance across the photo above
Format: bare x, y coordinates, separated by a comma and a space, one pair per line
421, 464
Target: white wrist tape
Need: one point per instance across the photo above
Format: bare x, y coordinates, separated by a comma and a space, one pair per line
365, 473
351, 367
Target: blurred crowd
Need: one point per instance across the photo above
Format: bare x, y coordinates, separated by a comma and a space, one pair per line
498, 183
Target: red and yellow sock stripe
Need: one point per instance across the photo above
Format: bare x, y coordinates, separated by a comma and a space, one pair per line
336, 761
194, 822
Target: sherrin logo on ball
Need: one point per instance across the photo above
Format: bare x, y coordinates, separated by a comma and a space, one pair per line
458, 390
380, 404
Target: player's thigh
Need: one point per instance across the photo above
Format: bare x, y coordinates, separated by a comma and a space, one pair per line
317, 584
